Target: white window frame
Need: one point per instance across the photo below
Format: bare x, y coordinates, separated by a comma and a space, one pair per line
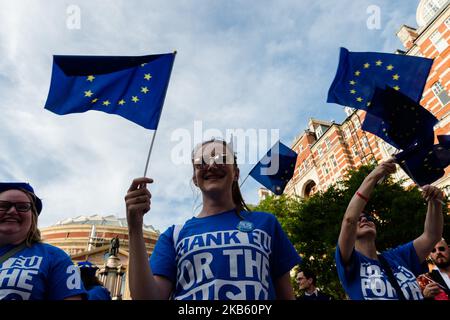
333, 161
438, 41
440, 93
328, 143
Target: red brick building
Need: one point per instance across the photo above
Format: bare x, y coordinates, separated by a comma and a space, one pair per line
327, 149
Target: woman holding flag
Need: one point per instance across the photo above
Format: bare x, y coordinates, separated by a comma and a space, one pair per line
367, 274
225, 252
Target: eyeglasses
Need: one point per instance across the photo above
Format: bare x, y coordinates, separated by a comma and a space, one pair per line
207, 160
368, 218
20, 206
441, 249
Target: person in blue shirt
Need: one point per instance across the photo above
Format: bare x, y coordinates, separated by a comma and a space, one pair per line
225, 252
30, 269
94, 287
363, 272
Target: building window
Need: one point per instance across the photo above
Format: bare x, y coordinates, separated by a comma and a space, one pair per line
431, 8
440, 93
319, 132
347, 133
333, 161
365, 142
439, 42
301, 148
328, 143
447, 23
325, 168
355, 151
319, 151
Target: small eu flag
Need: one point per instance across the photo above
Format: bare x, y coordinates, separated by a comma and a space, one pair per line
276, 168
359, 73
426, 165
131, 87
399, 120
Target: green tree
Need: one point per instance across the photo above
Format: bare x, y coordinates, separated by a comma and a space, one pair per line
313, 224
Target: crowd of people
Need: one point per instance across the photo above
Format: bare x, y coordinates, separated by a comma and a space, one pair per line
226, 251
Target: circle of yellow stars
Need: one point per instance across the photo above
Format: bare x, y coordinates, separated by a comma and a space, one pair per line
134, 99
377, 64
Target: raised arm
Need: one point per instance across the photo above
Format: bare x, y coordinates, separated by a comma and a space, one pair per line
347, 236
434, 222
143, 284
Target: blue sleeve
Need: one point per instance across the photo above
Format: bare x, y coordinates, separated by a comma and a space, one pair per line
162, 260
99, 293
346, 272
285, 257
408, 255
64, 278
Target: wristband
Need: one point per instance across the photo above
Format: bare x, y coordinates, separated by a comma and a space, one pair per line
362, 196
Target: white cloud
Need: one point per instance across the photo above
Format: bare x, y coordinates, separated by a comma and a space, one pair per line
240, 64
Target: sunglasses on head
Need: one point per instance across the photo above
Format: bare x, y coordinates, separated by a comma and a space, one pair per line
368, 218
441, 249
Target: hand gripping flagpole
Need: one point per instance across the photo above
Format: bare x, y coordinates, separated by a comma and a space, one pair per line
154, 133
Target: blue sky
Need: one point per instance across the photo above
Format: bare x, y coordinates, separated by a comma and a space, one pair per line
250, 64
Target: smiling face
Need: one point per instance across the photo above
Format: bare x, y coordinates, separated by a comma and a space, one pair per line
441, 254
214, 168
14, 225
365, 226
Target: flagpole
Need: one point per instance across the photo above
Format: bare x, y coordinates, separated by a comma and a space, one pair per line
154, 134
244, 181
149, 153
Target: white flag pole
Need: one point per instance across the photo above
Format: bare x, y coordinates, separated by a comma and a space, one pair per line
149, 153
154, 133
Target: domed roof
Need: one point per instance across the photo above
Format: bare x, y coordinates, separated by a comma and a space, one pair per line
427, 9
110, 220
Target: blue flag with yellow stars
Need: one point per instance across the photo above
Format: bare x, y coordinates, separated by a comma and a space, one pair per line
276, 168
359, 73
131, 87
398, 120
426, 165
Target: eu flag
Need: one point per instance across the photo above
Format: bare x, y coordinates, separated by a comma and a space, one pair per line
426, 165
131, 87
359, 73
399, 120
276, 168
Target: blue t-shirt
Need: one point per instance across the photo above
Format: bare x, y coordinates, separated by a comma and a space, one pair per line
98, 293
213, 260
42, 272
365, 278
